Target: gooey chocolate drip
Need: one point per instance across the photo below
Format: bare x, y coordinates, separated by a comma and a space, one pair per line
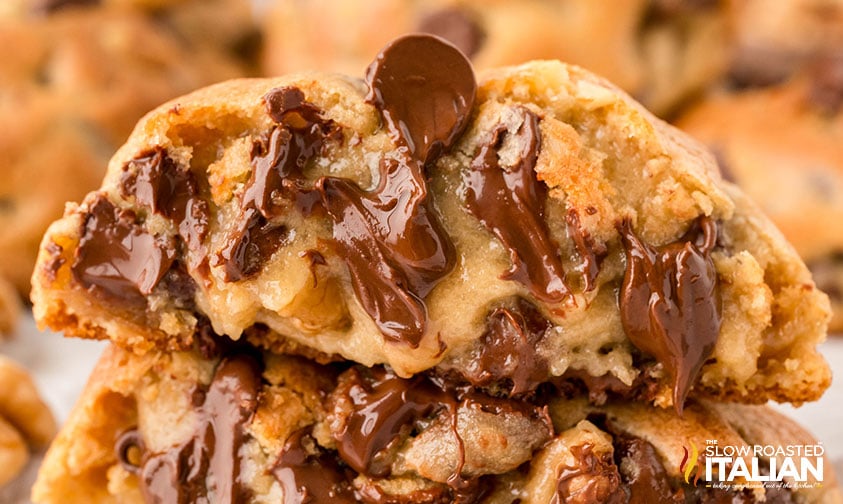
117, 256
305, 475
509, 201
163, 186
207, 466
391, 239
508, 350
670, 302
276, 181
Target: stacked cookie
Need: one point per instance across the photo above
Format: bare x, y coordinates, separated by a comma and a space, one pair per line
418, 288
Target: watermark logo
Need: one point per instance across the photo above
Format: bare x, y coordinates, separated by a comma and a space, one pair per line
690, 461
753, 466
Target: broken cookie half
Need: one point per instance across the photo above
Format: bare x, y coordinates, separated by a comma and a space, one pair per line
539, 227
232, 424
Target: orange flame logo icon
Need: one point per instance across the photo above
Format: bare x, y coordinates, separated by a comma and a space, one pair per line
689, 463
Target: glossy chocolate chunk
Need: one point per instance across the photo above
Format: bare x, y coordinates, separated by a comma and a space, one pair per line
391, 238
207, 466
276, 182
117, 256
591, 479
306, 475
670, 302
643, 473
382, 405
509, 201
508, 349
457, 26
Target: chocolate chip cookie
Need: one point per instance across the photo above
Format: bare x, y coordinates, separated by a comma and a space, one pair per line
26, 422
231, 424
783, 145
773, 41
68, 101
660, 51
422, 221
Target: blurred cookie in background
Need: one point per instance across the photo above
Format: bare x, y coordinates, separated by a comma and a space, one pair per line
662, 52
68, 100
774, 39
224, 25
783, 144
10, 308
26, 423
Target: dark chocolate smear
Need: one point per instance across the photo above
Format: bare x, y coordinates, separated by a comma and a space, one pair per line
509, 201
670, 302
117, 256
275, 185
167, 188
207, 466
590, 251
508, 350
391, 238
457, 26
307, 475
593, 479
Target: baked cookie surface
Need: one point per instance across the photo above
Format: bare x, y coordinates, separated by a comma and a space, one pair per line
237, 426
434, 224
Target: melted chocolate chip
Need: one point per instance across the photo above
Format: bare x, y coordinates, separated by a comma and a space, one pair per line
642, 471
207, 466
591, 253
592, 479
169, 189
457, 27
509, 201
508, 349
424, 88
600, 389
670, 302
275, 185
117, 256
308, 475
391, 239
382, 405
